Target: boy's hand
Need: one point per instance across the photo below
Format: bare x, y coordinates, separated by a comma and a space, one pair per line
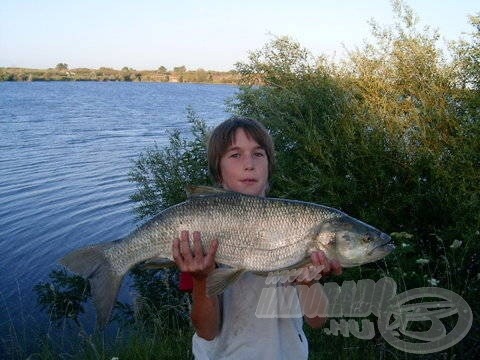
321, 267
194, 261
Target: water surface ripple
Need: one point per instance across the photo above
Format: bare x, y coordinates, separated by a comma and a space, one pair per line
65, 153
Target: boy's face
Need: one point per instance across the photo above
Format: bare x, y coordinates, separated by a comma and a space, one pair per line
244, 167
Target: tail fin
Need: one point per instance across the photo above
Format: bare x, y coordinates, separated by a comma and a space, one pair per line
91, 263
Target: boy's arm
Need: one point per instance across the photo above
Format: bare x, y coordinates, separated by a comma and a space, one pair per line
326, 267
205, 314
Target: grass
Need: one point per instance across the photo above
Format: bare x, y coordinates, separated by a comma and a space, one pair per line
141, 343
136, 341
160, 339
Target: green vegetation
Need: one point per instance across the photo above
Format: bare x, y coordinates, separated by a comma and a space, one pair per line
161, 174
61, 72
390, 136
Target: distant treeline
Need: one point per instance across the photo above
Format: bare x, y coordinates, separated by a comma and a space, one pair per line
62, 73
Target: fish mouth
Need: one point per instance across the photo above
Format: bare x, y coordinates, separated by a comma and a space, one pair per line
386, 243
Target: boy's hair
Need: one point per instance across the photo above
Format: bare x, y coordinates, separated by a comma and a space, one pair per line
224, 135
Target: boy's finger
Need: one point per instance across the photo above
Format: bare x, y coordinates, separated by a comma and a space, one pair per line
336, 267
197, 245
323, 260
176, 251
185, 250
211, 252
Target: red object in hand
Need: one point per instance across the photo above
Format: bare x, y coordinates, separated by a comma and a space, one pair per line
186, 282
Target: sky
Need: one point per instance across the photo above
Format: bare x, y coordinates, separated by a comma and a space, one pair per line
207, 34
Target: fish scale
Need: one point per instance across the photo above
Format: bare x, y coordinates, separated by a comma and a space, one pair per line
246, 246
254, 234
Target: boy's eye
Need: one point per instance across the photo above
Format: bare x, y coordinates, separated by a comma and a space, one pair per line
260, 154
235, 155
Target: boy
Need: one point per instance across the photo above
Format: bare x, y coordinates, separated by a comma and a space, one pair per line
241, 159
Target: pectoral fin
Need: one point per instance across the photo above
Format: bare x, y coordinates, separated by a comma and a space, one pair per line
302, 263
220, 278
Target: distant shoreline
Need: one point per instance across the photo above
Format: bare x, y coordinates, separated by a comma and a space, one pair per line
178, 75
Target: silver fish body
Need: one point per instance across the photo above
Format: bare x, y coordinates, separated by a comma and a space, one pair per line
254, 234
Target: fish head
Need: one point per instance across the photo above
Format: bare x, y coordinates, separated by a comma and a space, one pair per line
352, 242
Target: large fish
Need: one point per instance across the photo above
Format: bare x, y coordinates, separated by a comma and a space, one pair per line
254, 234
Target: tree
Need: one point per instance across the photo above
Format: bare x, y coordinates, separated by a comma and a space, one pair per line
180, 69
202, 76
467, 66
61, 66
277, 61
404, 82
407, 90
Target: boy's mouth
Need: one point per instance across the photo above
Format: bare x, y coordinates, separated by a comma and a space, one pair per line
248, 181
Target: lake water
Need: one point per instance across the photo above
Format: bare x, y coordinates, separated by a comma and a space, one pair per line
65, 152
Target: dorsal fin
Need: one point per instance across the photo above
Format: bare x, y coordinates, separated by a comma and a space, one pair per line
201, 190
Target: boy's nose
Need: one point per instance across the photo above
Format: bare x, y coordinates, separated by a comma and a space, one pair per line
249, 163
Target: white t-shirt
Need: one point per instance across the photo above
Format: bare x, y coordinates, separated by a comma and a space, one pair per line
246, 333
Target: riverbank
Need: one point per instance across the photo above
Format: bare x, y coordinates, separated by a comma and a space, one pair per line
126, 74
